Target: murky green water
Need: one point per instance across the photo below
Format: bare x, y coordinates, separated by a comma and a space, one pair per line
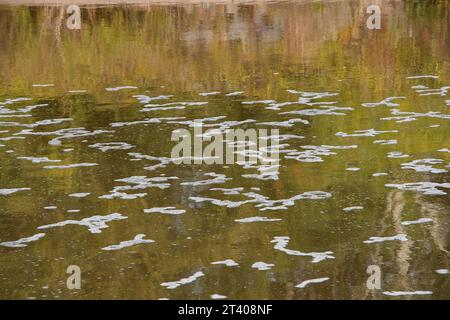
56, 169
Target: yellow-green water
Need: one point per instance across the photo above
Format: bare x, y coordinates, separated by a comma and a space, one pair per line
274, 51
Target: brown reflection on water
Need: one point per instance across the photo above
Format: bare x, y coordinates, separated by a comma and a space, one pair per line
263, 50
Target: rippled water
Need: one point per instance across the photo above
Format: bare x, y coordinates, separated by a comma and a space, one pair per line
87, 178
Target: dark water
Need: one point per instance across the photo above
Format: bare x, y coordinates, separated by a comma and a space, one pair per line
376, 167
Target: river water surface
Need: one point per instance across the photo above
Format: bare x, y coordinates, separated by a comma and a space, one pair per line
86, 118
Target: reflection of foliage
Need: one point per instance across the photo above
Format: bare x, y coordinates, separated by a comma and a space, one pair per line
202, 48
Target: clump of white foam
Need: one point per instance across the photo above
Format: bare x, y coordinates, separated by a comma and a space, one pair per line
137, 183
428, 188
5, 192
282, 242
307, 282
421, 220
442, 271
176, 284
22, 242
38, 159
120, 88
348, 209
95, 224
365, 133
256, 219
79, 194
138, 239
227, 262
165, 210
73, 165
406, 293
399, 237
386, 102
262, 265
106, 146
424, 165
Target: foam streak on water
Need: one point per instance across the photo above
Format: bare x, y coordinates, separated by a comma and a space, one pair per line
176, 284
282, 242
138, 239
307, 282
95, 224
22, 242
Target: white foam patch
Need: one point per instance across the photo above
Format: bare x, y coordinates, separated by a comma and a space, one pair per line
230, 191
263, 202
146, 121
176, 284
106, 146
421, 220
428, 188
14, 100
258, 102
401, 116
397, 154
43, 85
379, 174
34, 124
311, 281
165, 210
79, 194
442, 91
423, 76
386, 142
315, 153
216, 296
282, 242
146, 99
348, 209
137, 183
22, 242
321, 111
138, 239
5, 192
162, 161
172, 106
212, 93
386, 102
95, 224
442, 271
73, 165
406, 293
227, 262
365, 133
63, 134
398, 237
38, 159
256, 219
217, 179
120, 88
286, 123
235, 93
262, 266
424, 165
307, 98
